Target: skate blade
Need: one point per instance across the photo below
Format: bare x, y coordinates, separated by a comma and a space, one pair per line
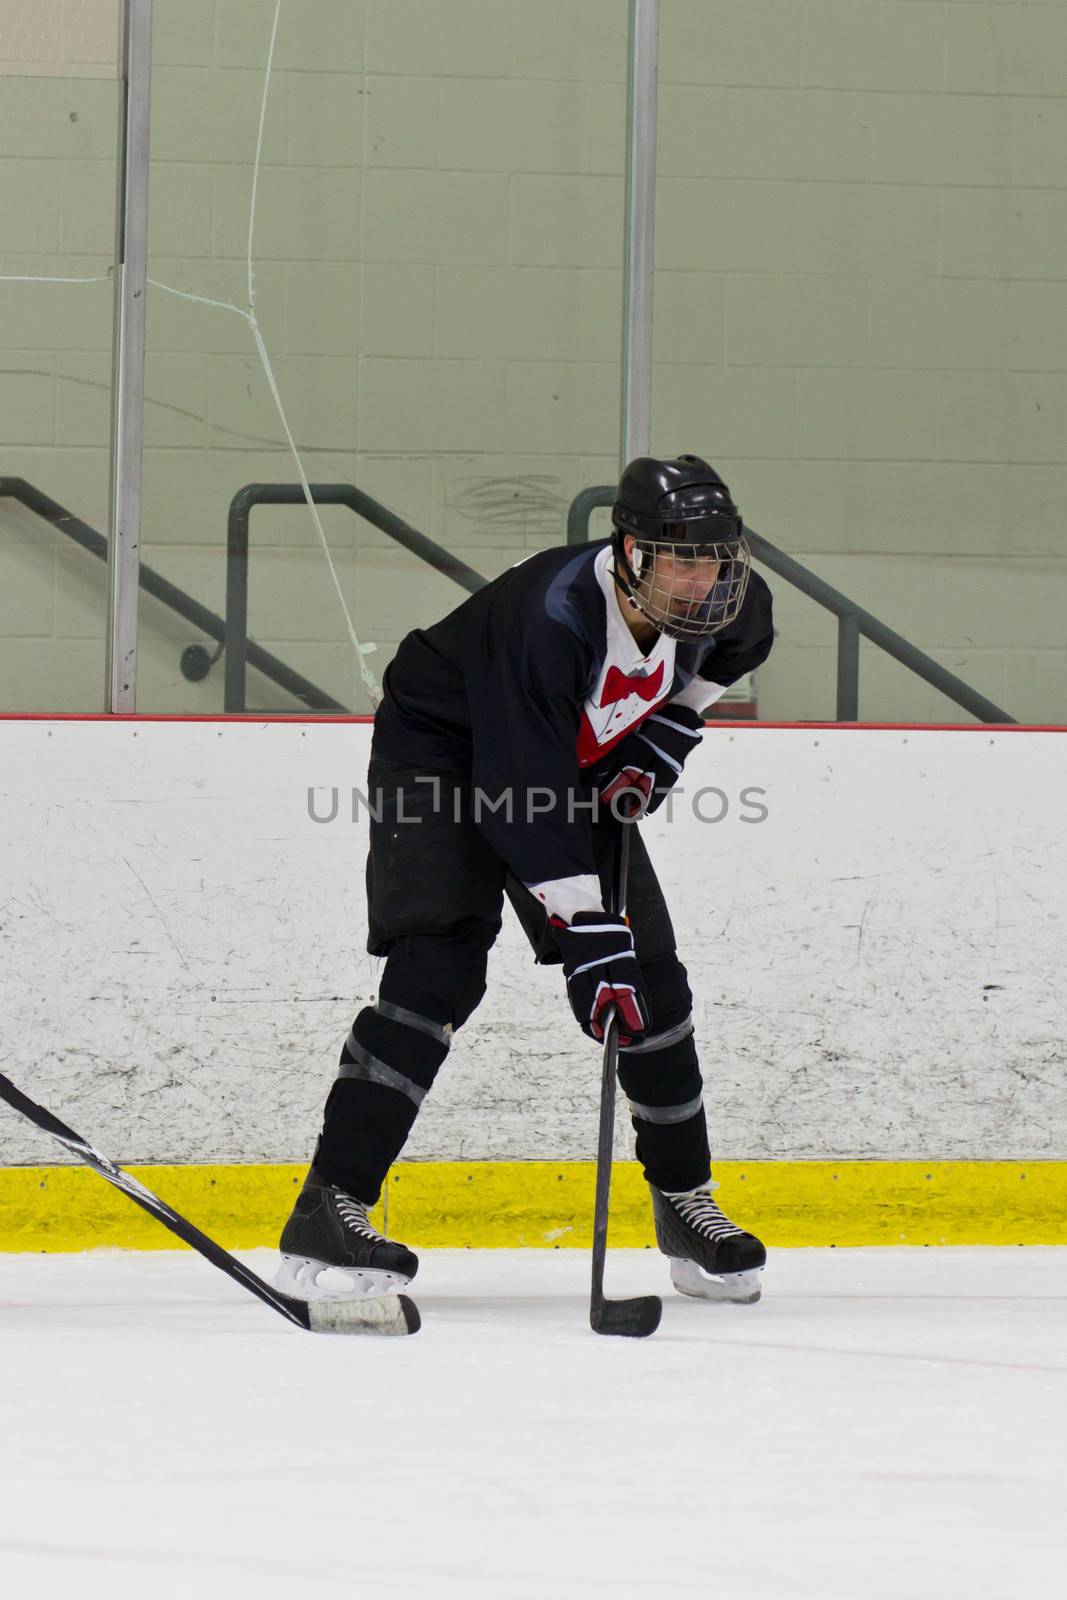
317, 1280
734, 1288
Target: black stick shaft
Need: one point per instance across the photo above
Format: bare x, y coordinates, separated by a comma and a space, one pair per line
606, 1130
286, 1305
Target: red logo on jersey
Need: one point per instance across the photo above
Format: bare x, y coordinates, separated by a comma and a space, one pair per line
619, 686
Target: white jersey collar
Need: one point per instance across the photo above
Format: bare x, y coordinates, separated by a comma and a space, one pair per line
623, 648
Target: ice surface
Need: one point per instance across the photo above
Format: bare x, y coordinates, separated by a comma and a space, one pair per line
884, 1423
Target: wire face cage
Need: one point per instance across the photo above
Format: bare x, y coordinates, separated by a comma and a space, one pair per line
686, 590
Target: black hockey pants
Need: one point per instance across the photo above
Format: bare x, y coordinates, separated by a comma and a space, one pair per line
435, 892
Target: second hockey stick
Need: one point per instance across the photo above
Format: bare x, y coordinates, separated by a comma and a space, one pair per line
638, 1317
388, 1314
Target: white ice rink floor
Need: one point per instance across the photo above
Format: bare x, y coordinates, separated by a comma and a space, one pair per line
884, 1423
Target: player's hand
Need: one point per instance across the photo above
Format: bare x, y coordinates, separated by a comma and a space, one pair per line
602, 971
651, 759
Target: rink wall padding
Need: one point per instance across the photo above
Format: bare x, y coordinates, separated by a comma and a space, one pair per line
550, 1204
872, 919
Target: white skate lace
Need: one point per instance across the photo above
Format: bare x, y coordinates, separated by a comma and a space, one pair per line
698, 1209
354, 1216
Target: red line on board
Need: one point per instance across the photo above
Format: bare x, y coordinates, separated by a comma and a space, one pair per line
119, 719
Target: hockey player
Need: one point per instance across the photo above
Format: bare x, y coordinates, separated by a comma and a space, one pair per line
579, 673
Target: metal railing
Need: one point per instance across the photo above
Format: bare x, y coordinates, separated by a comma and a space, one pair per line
853, 622
237, 646
231, 632
195, 662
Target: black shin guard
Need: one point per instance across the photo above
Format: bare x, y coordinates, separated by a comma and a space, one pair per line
389, 1061
371, 1107
661, 1079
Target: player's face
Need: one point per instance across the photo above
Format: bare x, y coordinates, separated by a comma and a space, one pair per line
675, 584
687, 579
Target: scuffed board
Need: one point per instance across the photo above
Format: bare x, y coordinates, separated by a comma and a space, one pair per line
876, 964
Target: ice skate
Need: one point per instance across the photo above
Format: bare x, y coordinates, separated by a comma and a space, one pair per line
330, 1249
711, 1257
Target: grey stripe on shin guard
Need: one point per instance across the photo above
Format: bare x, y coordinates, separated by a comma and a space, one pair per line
442, 1032
660, 1041
667, 1114
369, 1069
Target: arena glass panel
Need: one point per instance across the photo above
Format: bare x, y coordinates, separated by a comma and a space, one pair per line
860, 303
60, 109
425, 217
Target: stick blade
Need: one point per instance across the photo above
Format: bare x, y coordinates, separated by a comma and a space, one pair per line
629, 1319
389, 1315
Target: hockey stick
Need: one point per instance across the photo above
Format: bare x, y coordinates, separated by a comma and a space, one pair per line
636, 1318
388, 1314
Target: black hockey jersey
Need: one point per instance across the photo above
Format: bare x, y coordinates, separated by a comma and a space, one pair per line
529, 686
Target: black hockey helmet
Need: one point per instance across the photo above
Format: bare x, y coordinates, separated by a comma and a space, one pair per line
684, 524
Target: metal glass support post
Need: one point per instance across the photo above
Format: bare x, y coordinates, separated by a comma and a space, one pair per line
636, 431
131, 257
848, 666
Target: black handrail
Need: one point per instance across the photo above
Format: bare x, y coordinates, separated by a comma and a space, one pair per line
237, 644
852, 621
241, 652
208, 622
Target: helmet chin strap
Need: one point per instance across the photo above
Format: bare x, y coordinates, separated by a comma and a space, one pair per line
628, 576
627, 579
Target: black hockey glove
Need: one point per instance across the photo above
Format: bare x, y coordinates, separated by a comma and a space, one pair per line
602, 971
651, 759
